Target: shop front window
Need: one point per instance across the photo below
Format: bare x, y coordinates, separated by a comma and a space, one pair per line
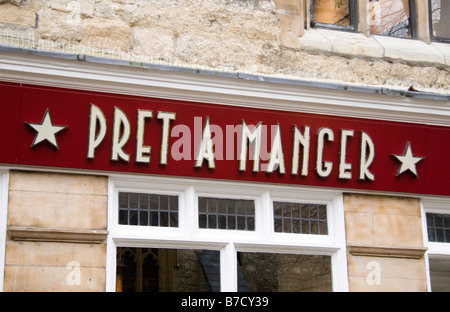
167, 235
167, 270
268, 272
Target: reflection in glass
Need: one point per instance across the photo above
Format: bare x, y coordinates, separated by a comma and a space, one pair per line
440, 21
167, 270
440, 275
335, 12
266, 272
390, 18
300, 218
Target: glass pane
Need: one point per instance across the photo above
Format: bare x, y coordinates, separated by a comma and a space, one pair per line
440, 21
300, 218
148, 210
335, 12
229, 214
167, 270
266, 272
390, 18
438, 227
440, 275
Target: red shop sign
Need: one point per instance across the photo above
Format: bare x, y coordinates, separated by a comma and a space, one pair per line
60, 128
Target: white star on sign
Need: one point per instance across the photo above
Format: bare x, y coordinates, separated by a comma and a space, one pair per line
46, 130
408, 160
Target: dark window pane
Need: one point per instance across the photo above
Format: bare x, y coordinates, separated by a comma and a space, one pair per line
250, 223
143, 218
173, 219
123, 216
212, 222
133, 218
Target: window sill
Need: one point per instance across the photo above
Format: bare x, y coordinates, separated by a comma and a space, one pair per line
359, 45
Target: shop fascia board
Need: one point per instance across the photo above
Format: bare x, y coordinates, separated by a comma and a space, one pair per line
236, 89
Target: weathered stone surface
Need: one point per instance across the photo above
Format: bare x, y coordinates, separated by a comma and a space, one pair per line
72, 8
15, 2
57, 26
13, 14
106, 33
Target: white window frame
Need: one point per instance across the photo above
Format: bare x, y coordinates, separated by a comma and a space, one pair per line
228, 242
435, 250
4, 185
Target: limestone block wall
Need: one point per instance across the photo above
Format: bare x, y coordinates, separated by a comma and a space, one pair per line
384, 243
56, 232
267, 37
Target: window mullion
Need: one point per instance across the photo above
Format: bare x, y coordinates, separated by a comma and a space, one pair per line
228, 269
265, 219
189, 211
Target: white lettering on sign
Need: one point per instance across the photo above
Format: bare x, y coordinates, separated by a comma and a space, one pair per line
206, 148
367, 157
96, 118
142, 152
253, 136
252, 140
344, 167
303, 140
166, 117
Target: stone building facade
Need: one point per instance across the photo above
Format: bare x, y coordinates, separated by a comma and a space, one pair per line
264, 37
58, 222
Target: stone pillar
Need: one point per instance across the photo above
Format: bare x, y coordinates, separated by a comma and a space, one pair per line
291, 15
384, 243
56, 232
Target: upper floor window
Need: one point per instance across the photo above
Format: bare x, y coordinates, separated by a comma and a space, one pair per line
439, 24
395, 18
335, 14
